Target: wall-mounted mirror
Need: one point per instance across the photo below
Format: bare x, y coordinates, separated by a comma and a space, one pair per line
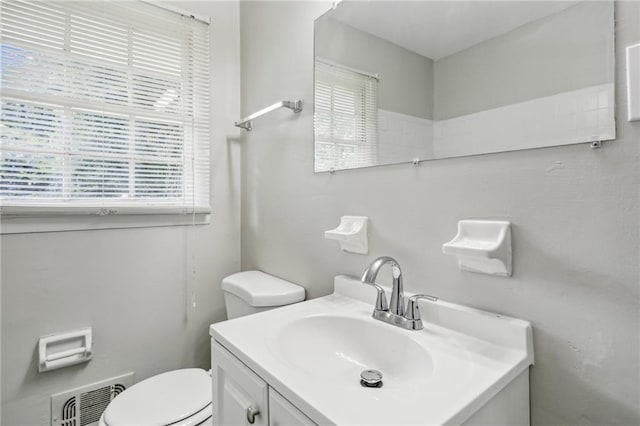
399, 81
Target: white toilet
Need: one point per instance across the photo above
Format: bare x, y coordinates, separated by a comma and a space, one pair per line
183, 397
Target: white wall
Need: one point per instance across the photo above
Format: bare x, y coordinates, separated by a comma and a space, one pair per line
574, 210
130, 285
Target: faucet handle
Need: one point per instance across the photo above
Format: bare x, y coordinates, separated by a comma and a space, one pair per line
381, 299
413, 311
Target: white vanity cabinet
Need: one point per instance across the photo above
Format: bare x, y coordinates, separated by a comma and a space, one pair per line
284, 413
241, 397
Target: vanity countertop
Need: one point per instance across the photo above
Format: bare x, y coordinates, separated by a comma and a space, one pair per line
313, 352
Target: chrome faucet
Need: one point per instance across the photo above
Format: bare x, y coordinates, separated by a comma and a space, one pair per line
394, 313
397, 295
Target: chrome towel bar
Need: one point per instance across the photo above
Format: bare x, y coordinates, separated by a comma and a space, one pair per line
245, 123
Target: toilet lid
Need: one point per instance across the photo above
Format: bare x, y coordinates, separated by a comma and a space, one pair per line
163, 399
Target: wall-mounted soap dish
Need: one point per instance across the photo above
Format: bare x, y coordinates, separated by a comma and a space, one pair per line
482, 246
352, 234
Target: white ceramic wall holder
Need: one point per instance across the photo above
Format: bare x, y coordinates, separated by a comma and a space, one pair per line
633, 81
65, 349
352, 234
482, 246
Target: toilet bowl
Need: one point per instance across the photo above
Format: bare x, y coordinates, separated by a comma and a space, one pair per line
179, 397
183, 397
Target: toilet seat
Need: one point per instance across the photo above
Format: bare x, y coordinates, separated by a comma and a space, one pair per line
176, 398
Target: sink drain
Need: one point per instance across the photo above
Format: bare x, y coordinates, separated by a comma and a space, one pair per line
371, 379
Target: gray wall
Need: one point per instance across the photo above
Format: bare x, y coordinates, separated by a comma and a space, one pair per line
574, 212
406, 78
130, 285
529, 62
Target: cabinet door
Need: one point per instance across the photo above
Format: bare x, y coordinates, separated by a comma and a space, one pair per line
240, 397
284, 413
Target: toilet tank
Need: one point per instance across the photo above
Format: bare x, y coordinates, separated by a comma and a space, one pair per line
250, 292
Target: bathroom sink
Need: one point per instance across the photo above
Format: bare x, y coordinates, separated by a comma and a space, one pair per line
342, 347
312, 353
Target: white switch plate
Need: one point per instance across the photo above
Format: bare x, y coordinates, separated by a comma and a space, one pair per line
633, 81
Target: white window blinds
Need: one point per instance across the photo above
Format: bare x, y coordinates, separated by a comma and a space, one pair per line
345, 119
105, 105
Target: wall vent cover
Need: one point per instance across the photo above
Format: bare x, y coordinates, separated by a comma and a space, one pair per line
83, 406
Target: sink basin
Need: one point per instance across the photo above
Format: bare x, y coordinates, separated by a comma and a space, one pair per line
312, 353
342, 347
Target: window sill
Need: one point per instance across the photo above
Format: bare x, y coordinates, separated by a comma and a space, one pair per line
25, 223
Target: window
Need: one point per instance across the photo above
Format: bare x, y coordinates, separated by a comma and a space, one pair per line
345, 119
105, 108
